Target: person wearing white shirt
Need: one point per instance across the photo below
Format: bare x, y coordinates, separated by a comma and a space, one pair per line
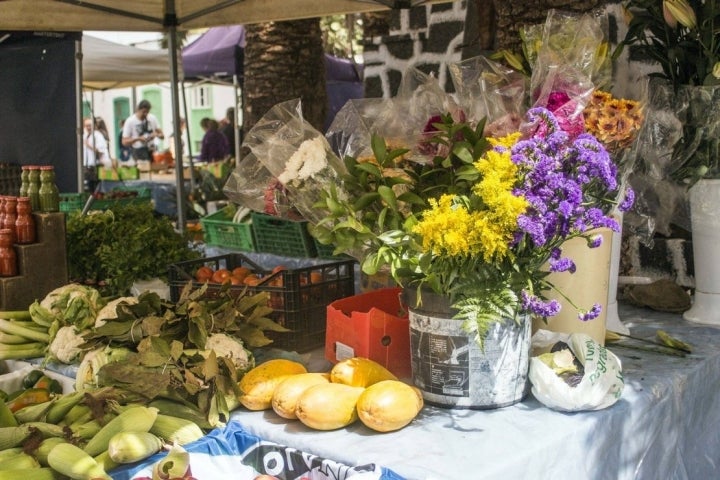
140, 132
95, 147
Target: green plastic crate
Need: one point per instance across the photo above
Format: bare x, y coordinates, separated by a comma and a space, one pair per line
283, 237
70, 202
221, 231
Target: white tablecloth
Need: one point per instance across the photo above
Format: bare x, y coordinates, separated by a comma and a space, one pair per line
665, 426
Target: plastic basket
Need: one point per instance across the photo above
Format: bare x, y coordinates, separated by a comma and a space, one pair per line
299, 297
221, 231
121, 173
282, 237
70, 202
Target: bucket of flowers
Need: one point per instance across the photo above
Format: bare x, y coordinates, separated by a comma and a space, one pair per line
481, 225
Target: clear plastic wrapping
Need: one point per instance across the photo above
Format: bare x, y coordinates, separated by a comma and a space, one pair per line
487, 89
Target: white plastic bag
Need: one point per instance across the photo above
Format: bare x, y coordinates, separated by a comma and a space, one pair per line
601, 384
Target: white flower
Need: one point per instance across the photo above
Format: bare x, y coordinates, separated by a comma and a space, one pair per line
309, 159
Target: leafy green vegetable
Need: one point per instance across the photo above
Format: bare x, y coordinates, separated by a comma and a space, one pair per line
112, 249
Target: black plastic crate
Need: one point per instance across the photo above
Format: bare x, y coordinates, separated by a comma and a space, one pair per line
299, 296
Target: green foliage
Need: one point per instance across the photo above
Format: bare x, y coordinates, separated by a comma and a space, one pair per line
112, 249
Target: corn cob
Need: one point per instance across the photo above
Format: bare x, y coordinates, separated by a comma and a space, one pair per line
34, 413
9, 453
7, 419
46, 429
86, 430
41, 453
176, 430
180, 410
11, 437
129, 447
19, 461
28, 474
62, 406
138, 419
75, 413
105, 461
73, 462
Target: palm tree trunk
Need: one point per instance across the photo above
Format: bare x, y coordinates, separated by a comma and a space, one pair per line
283, 61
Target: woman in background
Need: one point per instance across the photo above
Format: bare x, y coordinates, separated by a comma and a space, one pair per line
214, 145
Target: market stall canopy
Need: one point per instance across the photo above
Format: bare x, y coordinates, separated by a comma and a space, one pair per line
216, 54
107, 65
154, 15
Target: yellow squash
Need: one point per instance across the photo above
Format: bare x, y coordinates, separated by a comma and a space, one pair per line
359, 372
285, 396
257, 385
328, 406
389, 405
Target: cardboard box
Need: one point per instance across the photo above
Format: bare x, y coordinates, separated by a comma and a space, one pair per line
373, 325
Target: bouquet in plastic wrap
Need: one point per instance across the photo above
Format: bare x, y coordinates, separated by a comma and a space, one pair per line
409, 119
289, 160
490, 91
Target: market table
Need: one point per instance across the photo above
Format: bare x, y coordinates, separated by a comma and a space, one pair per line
665, 426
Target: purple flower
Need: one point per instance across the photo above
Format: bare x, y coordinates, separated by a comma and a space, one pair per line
628, 201
564, 264
533, 304
595, 241
591, 314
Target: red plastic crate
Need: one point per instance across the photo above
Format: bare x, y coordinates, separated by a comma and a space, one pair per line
299, 296
373, 325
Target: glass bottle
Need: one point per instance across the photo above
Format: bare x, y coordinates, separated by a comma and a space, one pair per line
24, 180
34, 187
8, 222
25, 223
48, 192
8, 257
2, 209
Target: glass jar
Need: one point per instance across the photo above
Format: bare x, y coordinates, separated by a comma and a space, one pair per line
34, 187
25, 223
8, 221
24, 180
8, 257
48, 192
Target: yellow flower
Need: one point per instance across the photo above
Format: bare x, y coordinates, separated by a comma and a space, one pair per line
679, 11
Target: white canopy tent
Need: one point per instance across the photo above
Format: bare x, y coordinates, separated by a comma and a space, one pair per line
107, 65
170, 16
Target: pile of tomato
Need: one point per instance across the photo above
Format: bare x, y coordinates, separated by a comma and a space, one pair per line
238, 276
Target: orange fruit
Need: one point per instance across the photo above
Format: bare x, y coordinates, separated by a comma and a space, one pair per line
221, 275
204, 274
235, 280
316, 277
279, 268
251, 280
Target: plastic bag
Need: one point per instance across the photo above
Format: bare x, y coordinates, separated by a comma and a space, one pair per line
487, 89
601, 384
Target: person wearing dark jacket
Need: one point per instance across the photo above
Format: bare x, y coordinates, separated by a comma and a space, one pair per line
214, 146
228, 129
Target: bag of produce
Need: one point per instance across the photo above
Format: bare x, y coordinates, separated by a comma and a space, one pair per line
574, 373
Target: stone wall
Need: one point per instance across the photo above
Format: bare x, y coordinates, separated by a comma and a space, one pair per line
428, 38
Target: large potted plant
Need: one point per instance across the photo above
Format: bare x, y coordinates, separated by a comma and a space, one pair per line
480, 225
683, 38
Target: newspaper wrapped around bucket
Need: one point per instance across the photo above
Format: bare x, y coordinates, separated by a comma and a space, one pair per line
601, 384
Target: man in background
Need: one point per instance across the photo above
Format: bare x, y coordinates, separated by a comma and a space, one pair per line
140, 131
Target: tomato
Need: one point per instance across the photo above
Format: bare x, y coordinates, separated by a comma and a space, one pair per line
241, 272
316, 277
204, 274
251, 280
279, 268
221, 275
